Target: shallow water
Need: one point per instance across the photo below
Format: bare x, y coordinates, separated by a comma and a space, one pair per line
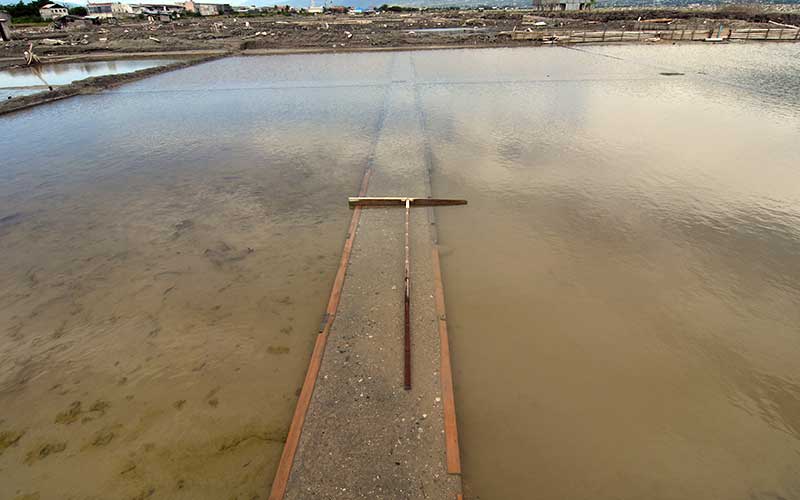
622, 289
22, 81
166, 260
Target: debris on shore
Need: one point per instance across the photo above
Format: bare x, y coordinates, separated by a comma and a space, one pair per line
403, 29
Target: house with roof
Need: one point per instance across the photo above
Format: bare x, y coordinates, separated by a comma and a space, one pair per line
207, 9
107, 10
52, 11
555, 5
154, 9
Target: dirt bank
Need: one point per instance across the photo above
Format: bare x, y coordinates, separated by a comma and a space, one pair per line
388, 29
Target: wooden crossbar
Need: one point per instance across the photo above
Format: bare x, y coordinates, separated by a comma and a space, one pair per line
399, 201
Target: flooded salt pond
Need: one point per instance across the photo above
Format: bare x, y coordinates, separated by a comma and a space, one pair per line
22, 81
167, 257
622, 289
623, 292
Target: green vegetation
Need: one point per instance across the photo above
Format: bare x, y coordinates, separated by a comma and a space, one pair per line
78, 11
25, 12
397, 8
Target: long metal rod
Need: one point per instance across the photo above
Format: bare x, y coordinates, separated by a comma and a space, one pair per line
359, 202
407, 336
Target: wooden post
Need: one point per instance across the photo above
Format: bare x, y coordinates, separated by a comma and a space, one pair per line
766, 36
5, 30
407, 333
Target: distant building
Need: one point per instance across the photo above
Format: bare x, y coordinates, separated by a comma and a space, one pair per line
207, 9
245, 9
552, 5
52, 11
107, 10
314, 9
156, 8
72, 22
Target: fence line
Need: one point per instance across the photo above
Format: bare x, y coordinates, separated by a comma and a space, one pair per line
676, 34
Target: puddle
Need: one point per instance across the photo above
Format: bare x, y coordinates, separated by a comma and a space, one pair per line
15, 82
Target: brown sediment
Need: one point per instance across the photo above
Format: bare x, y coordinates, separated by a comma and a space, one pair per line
43, 451
76, 411
9, 439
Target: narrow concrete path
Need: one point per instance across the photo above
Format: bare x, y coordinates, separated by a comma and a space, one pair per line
364, 436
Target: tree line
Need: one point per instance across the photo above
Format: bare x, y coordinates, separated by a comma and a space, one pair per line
21, 12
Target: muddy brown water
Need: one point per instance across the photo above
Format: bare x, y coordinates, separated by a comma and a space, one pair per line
166, 260
622, 289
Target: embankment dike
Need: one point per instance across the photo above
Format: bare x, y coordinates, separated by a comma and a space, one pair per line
356, 432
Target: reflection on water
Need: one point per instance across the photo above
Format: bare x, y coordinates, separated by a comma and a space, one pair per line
13, 80
625, 320
622, 289
166, 261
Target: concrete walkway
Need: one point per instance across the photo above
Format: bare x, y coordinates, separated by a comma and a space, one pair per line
364, 436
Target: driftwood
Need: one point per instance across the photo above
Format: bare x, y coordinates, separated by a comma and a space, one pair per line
31, 59
784, 25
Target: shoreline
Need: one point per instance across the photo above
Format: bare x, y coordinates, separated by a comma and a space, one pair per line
194, 40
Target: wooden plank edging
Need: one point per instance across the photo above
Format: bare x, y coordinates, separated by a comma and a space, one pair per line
281, 480
446, 373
